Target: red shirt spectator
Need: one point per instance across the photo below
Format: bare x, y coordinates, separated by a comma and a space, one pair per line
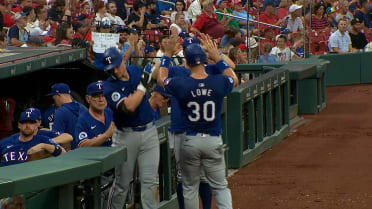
318, 20
23, 3
8, 19
207, 22
269, 16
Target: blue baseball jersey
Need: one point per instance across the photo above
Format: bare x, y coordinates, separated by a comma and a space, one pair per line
47, 117
200, 101
178, 123
116, 91
48, 134
13, 151
88, 127
65, 119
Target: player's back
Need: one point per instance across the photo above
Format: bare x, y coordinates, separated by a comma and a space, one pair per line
201, 100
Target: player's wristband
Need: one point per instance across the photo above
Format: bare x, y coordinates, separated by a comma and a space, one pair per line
222, 65
165, 61
141, 88
57, 150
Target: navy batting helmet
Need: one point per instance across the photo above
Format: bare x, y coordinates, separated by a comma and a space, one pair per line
111, 58
189, 41
195, 55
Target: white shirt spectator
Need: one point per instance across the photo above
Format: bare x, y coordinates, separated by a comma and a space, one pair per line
116, 20
194, 10
340, 41
282, 55
294, 25
187, 18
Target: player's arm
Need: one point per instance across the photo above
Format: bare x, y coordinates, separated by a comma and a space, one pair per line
100, 139
53, 149
63, 138
165, 61
213, 53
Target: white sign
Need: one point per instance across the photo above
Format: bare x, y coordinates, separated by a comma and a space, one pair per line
102, 41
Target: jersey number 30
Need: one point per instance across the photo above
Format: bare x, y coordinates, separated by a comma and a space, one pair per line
208, 112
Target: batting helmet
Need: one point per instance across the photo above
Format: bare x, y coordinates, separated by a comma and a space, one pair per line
111, 58
195, 55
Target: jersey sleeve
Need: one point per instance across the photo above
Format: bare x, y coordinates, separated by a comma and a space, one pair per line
115, 96
47, 140
212, 69
170, 86
80, 131
229, 84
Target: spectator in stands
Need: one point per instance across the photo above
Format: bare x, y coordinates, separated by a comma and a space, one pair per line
298, 45
181, 8
230, 33
224, 20
363, 13
164, 8
339, 41
331, 17
87, 20
101, 12
266, 57
150, 53
283, 10
239, 11
17, 148
6, 13
80, 29
268, 38
281, 52
30, 18
358, 39
137, 17
57, 11
121, 6
252, 48
318, 19
195, 10
207, 22
344, 12
153, 16
268, 16
41, 22
159, 98
65, 34
294, 21
239, 54
179, 25
17, 202
23, 4
35, 40
17, 35
65, 117
112, 10
3, 43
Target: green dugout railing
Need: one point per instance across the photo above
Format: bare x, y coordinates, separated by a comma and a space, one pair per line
260, 109
49, 183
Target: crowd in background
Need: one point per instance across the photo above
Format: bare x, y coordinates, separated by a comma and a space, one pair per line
277, 30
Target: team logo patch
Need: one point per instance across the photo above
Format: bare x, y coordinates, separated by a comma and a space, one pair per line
115, 96
231, 80
83, 135
166, 82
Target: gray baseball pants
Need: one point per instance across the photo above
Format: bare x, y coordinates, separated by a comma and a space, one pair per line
142, 146
203, 152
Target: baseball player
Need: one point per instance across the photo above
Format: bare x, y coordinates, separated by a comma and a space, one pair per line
135, 129
200, 97
61, 139
65, 117
16, 149
95, 126
178, 126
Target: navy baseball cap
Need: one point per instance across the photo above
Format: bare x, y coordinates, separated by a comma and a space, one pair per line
149, 49
95, 88
189, 41
111, 58
28, 116
34, 111
60, 88
195, 55
161, 90
184, 34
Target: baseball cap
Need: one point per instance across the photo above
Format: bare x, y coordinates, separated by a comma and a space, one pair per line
161, 90
243, 47
195, 55
330, 10
133, 30
355, 21
19, 15
149, 49
28, 116
189, 41
60, 88
95, 87
268, 2
34, 111
294, 7
184, 34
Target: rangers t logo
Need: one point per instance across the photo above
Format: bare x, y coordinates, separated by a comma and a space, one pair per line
108, 59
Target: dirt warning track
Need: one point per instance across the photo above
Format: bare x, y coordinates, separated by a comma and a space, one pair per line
326, 163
